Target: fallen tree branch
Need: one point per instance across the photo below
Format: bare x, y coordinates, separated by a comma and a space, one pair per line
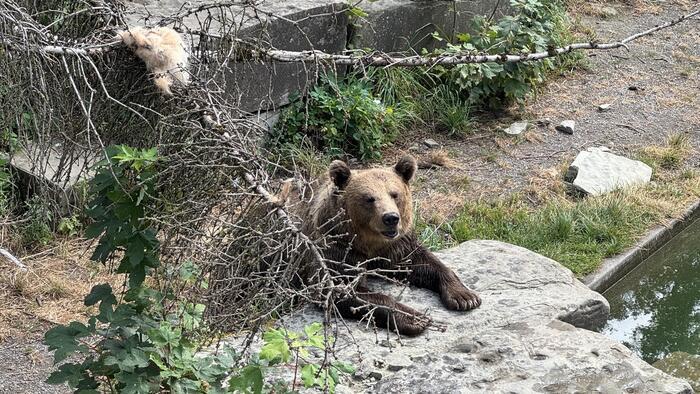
13, 259
247, 51
380, 59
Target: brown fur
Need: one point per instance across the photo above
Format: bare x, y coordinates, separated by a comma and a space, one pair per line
163, 51
351, 205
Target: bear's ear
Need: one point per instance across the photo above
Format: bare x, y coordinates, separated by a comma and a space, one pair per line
339, 173
406, 167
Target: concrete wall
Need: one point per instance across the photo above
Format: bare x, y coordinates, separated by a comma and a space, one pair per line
391, 25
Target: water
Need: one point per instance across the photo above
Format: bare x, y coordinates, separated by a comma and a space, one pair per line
655, 310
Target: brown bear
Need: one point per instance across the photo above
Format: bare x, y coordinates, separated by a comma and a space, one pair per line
368, 215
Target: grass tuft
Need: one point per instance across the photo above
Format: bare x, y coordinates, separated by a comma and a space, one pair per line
668, 156
576, 234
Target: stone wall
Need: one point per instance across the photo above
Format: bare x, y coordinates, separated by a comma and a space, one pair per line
391, 25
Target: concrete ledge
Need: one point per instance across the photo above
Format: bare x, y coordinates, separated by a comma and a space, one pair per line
615, 268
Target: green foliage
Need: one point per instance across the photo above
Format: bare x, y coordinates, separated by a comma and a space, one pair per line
578, 235
536, 26
37, 231
450, 112
69, 226
291, 348
123, 187
668, 156
5, 187
338, 118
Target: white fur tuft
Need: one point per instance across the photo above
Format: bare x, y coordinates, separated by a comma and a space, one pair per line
163, 51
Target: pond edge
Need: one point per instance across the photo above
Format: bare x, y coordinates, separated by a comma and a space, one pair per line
615, 268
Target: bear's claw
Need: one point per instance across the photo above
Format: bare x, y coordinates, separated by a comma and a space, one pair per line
459, 298
407, 321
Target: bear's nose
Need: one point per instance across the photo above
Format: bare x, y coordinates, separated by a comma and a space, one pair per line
391, 219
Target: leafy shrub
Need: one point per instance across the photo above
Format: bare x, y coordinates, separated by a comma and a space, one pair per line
338, 117
536, 26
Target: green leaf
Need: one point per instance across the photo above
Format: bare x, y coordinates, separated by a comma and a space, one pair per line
63, 339
308, 374
344, 367
135, 383
357, 12
248, 380
102, 294
276, 348
69, 373
99, 293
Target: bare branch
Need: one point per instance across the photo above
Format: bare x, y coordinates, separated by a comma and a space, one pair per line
13, 259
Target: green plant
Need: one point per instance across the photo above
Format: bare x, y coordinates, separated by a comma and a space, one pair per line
577, 234
69, 226
449, 111
536, 26
5, 187
287, 347
338, 117
37, 231
669, 156
9, 142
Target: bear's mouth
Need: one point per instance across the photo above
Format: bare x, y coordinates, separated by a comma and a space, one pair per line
391, 234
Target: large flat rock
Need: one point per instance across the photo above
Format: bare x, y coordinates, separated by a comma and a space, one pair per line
596, 171
531, 334
53, 171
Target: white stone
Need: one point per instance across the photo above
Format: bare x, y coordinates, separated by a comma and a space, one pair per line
567, 126
604, 107
596, 172
524, 337
516, 128
431, 143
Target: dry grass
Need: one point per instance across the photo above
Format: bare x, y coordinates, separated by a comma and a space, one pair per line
436, 158
438, 207
50, 291
668, 156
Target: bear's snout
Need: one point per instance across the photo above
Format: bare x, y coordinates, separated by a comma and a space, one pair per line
391, 219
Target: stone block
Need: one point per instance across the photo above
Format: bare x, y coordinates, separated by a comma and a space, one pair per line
53, 172
401, 25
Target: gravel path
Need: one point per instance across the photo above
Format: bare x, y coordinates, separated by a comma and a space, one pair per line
653, 91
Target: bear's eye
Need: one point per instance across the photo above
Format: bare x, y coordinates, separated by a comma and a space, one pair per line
369, 199
394, 195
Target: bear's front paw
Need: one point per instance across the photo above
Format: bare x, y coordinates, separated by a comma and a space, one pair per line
410, 325
408, 321
457, 297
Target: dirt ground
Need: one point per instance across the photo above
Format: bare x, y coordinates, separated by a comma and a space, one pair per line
50, 292
652, 89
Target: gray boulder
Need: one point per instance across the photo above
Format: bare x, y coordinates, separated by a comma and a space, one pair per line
530, 335
596, 171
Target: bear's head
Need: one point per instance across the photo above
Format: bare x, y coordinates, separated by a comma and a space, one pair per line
377, 201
